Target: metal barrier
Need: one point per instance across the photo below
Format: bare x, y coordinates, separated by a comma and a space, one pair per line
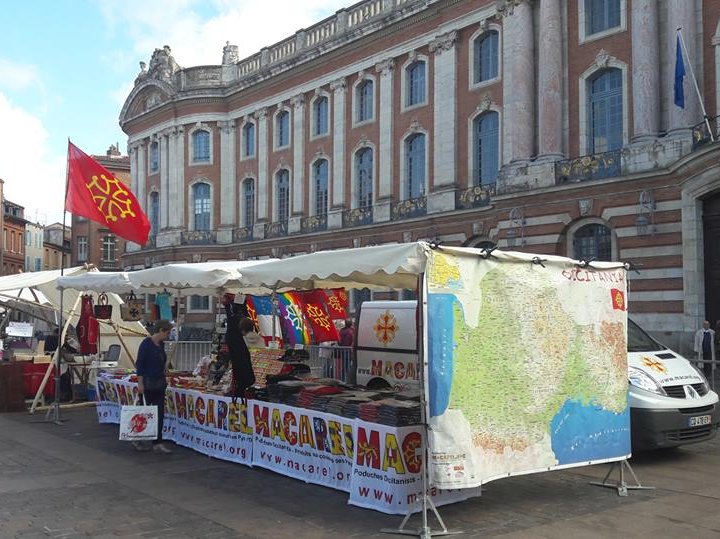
331, 362
184, 355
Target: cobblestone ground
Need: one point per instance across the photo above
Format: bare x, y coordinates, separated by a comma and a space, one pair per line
77, 480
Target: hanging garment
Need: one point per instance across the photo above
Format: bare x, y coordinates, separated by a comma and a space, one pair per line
162, 300
88, 328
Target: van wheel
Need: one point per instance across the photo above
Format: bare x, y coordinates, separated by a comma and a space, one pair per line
378, 384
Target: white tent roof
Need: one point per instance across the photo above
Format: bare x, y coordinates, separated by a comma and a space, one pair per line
379, 267
35, 278
191, 278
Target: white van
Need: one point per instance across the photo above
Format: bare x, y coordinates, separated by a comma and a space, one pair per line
671, 403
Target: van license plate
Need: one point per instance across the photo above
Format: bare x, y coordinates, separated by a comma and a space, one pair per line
700, 420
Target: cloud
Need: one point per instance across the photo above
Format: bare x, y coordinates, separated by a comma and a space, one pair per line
34, 175
196, 30
17, 77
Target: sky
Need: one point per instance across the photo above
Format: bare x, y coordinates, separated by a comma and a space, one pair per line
66, 67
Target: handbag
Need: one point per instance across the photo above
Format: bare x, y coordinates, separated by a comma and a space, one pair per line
138, 422
103, 309
133, 309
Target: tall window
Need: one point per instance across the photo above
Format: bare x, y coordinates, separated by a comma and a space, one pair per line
415, 83
108, 249
154, 157
593, 242
201, 146
248, 134
201, 206
486, 151
320, 116
282, 195
364, 173
282, 126
154, 213
38, 263
320, 176
486, 59
365, 95
415, 165
601, 15
249, 202
605, 111
82, 248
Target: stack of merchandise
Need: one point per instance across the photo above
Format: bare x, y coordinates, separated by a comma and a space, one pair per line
398, 413
285, 391
370, 411
317, 397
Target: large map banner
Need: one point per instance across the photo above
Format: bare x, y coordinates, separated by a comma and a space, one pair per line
527, 365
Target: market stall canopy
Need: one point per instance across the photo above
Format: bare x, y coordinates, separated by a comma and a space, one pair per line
379, 267
191, 278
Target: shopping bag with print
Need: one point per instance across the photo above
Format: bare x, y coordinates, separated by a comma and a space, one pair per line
138, 422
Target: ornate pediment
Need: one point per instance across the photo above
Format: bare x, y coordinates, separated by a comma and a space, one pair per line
148, 99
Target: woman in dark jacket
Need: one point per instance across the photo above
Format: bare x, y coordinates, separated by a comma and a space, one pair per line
243, 375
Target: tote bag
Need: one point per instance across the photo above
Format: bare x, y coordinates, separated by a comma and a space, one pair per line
138, 422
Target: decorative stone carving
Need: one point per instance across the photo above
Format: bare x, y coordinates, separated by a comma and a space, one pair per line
444, 42
478, 228
585, 206
414, 126
261, 114
226, 127
338, 85
602, 59
412, 56
385, 67
197, 257
485, 104
484, 25
162, 66
298, 101
230, 54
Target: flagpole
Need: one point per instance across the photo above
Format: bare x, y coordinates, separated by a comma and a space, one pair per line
695, 84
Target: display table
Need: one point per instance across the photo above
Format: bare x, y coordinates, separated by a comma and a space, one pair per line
378, 465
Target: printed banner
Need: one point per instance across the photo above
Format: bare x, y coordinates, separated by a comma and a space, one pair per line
111, 395
311, 446
387, 468
527, 366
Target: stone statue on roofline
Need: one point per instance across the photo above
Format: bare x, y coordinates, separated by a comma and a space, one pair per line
162, 66
230, 54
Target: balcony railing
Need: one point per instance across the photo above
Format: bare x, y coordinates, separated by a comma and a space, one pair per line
198, 237
241, 235
358, 217
407, 209
588, 167
276, 230
475, 197
703, 133
313, 223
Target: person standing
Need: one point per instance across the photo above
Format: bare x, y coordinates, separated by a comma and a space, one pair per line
347, 334
705, 347
151, 365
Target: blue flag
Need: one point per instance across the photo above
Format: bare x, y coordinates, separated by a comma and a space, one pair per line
679, 76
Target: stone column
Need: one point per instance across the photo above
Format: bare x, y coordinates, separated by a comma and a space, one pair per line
681, 13
716, 43
227, 181
164, 187
133, 154
298, 175
141, 172
383, 202
339, 89
645, 72
262, 180
443, 181
176, 187
550, 80
181, 191
518, 82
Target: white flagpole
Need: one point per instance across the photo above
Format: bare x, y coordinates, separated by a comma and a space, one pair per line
697, 88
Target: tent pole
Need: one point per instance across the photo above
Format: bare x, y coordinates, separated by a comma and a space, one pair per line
124, 344
45, 379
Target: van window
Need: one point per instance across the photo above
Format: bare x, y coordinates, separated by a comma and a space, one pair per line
639, 341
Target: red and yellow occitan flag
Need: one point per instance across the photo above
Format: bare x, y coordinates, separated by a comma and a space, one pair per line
96, 194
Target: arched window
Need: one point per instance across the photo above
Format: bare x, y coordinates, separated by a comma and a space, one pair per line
320, 116
201, 206
154, 213
605, 111
248, 202
248, 134
154, 157
415, 83
601, 15
364, 174
486, 148
415, 165
365, 100
282, 195
320, 177
486, 53
593, 242
282, 126
201, 146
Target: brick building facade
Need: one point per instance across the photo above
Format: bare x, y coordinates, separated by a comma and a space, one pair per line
93, 243
13, 250
546, 126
